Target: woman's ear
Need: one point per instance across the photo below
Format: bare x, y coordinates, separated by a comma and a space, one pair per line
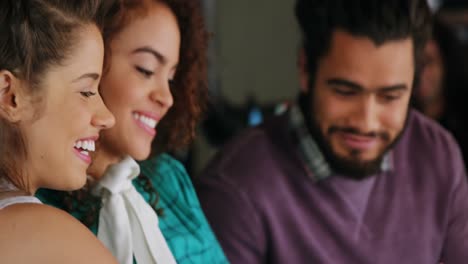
10, 97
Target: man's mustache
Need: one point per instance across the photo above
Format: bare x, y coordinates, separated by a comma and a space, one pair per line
351, 130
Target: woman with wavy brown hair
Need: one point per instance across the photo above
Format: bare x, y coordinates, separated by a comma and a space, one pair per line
155, 85
51, 57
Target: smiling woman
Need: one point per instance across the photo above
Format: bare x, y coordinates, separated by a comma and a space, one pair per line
49, 107
72, 115
154, 83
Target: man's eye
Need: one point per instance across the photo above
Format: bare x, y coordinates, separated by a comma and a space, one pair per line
345, 92
391, 97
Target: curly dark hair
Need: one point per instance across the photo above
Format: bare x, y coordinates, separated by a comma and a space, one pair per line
177, 129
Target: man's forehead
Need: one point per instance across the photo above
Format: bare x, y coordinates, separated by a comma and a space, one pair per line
359, 60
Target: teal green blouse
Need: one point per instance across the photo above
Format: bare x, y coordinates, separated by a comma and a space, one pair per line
183, 223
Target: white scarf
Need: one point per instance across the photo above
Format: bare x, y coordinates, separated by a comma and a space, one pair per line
128, 225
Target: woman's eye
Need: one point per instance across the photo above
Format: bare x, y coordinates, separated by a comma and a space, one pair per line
146, 73
88, 94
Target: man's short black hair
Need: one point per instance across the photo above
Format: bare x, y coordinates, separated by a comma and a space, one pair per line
379, 20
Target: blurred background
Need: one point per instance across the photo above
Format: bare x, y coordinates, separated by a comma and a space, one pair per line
252, 70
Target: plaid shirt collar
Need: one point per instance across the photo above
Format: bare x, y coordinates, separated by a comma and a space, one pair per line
316, 164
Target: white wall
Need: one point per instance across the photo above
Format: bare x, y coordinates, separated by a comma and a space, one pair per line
256, 46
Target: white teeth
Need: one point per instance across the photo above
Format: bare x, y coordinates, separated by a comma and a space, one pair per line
84, 152
148, 121
88, 145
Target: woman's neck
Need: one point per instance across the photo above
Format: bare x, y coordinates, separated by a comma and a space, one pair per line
9, 194
101, 160
7, 189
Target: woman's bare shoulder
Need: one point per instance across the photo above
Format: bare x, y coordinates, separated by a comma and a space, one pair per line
37, 233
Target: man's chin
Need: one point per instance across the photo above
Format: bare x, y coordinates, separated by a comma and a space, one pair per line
356, 168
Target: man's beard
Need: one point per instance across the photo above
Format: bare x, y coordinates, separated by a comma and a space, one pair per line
350, 167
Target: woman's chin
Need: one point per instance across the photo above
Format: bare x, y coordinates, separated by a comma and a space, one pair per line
140, 154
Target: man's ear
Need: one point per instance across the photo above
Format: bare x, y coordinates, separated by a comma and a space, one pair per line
10, 95
303, 73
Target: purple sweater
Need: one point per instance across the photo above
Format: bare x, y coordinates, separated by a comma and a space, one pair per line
264, 207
